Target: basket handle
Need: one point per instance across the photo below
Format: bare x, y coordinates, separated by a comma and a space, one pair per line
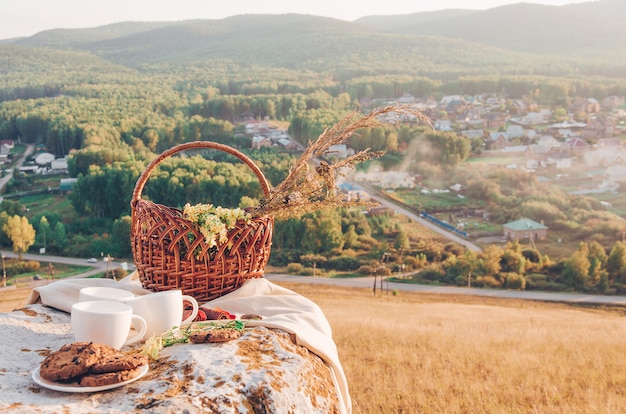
143, 178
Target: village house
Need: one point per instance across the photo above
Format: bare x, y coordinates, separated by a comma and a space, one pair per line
547, 141
598, 127
565, 133
388, 179
473, 133
340, 151
518, 107
6, 146
524, 229
610, 143
611, 102
494, 120
496, 141
531, 118
58, 166
546, 114
380, 211
406, 98
470, 118
366, 102
584, 105
575, 146
44, 158
353, 192
259, 141
451, 99
443, 125
515, 131
66, 184
426, 105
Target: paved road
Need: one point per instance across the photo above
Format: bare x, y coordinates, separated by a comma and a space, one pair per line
4, 180
98, 267
368, 282
389, 204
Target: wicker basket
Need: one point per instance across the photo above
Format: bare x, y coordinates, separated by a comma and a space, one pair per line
170, 252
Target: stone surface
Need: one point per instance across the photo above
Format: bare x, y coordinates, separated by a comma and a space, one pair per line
261, 372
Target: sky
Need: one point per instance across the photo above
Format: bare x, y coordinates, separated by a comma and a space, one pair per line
27, 17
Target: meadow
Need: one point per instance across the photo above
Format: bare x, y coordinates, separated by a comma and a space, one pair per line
431, 353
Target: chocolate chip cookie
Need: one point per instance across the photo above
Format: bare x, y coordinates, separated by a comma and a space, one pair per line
214, 336
112, 362
108, 378
91, 365
72, 360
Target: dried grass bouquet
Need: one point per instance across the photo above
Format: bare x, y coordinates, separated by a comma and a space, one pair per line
311, 182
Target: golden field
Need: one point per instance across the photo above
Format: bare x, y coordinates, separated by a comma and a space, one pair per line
429, 353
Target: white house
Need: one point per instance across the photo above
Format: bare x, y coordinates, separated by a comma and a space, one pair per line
59, 165
44, 158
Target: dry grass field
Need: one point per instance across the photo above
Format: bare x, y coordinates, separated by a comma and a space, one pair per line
427, 353
13, 298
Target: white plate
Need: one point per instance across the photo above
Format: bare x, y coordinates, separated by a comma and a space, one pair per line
74, 387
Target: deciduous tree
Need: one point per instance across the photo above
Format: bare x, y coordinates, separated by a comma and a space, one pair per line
21, 233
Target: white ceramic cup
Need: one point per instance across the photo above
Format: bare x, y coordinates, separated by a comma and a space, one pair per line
162, 310
106, 322
104, 293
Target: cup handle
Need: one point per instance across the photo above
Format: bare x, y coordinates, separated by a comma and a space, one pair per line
194, 312
140, 322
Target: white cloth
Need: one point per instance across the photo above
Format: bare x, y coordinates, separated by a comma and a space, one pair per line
63, 293
284, 309
280, 308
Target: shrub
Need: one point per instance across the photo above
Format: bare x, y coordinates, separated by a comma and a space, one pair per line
343, 263
282, 257
309, 271
349, 253
17, 267
384, 270
366, 270
514, 281
431, 273
294, 268
411, 262
119, 273
488, 281
367, 242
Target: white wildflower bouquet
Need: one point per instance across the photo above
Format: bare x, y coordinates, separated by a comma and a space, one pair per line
214, 222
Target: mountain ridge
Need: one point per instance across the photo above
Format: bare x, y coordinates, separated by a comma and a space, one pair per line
518, 39
524, 27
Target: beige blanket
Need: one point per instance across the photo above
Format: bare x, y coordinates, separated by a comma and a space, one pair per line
280, 308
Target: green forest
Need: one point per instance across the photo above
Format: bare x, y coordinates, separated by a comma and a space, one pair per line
112, 98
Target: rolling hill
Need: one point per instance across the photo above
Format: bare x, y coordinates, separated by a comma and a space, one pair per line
586, 39
587, 28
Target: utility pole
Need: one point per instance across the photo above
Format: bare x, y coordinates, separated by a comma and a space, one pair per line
383, 260
50, 272
109, 267
4, 272
375, 275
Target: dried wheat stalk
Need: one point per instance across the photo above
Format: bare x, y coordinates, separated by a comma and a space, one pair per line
307, 188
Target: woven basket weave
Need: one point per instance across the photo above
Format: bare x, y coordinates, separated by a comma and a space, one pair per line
170, 252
